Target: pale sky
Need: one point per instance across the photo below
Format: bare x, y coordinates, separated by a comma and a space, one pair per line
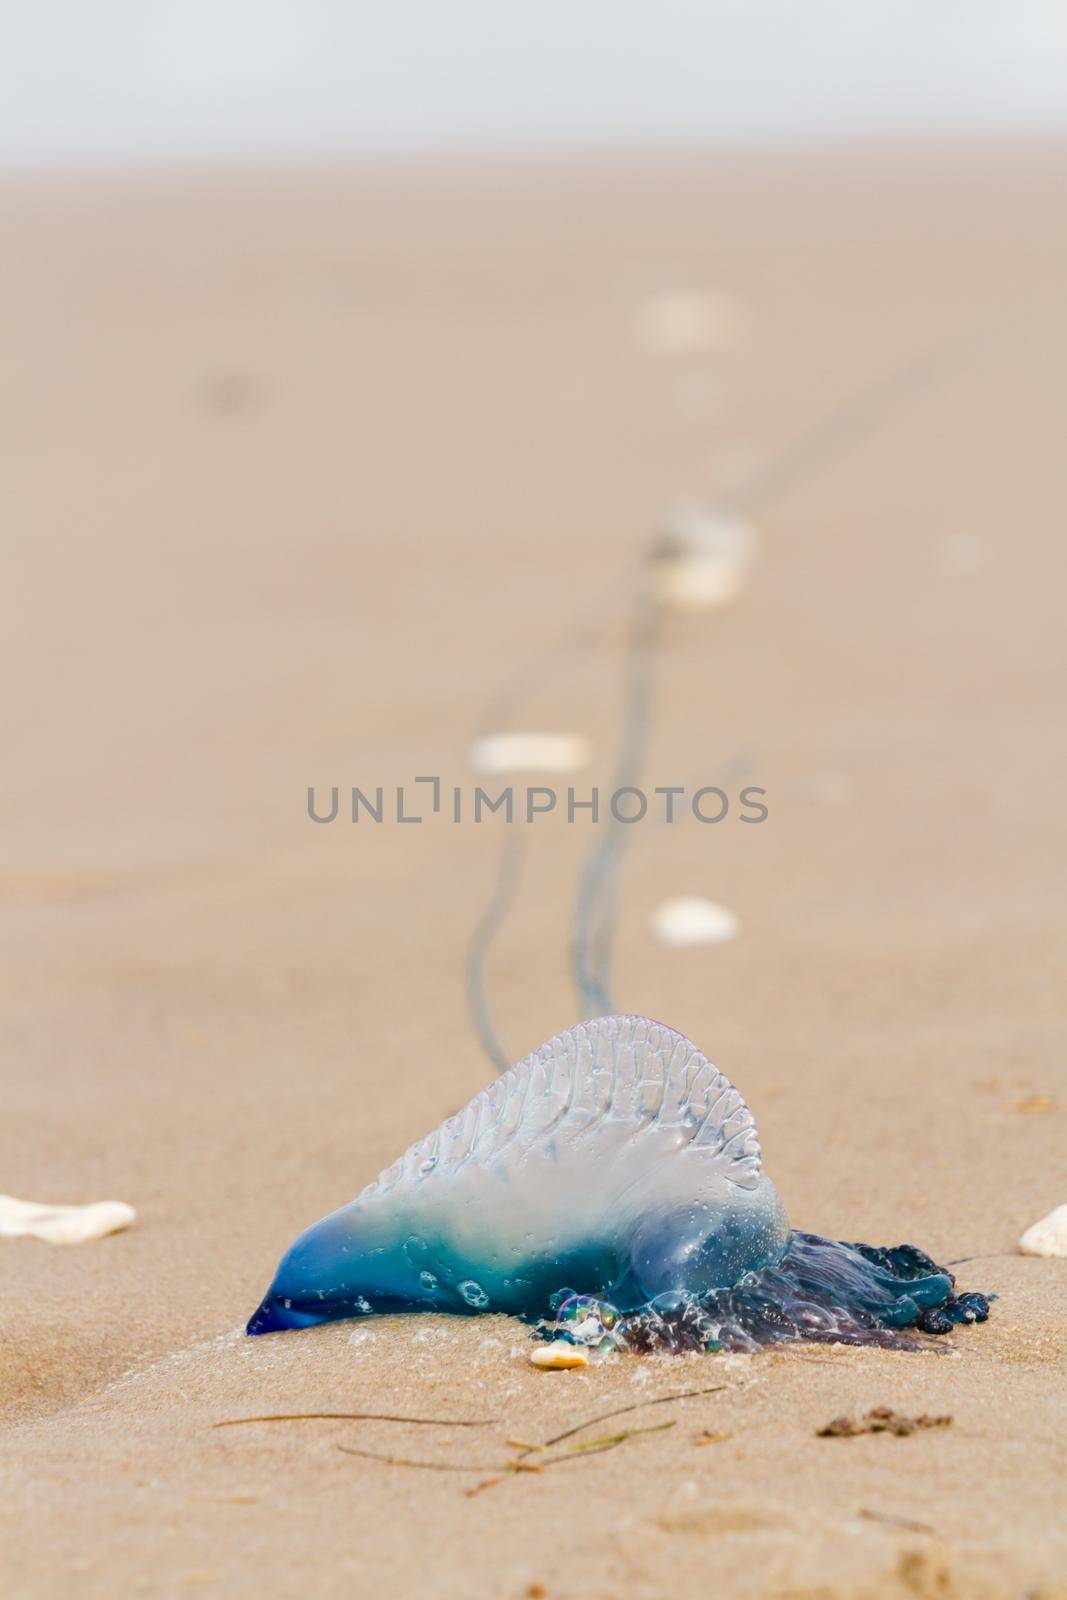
94, 80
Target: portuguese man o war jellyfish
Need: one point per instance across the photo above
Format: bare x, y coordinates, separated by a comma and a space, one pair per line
610, 1189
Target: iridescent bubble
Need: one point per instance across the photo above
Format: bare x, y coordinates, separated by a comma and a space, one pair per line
586, 1320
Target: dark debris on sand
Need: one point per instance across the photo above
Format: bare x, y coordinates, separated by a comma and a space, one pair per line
880, 1419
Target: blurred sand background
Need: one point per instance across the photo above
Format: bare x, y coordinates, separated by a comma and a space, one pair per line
298, 467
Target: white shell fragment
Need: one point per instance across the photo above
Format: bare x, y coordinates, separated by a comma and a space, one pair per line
62, 1224
684, 320
690, 920
558, 1356
703, 559
1047, 1237
529, 752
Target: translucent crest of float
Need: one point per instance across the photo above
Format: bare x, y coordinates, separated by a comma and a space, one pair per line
616, 1160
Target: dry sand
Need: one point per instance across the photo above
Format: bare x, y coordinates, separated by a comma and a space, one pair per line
297, 468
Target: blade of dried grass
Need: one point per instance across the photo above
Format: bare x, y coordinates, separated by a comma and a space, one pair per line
358, 1416
635, 1405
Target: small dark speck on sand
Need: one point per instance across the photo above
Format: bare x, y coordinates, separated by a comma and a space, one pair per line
891, 1521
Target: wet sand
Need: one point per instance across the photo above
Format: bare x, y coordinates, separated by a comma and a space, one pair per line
299, 468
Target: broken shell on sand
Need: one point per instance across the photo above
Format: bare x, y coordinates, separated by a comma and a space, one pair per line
62, 1224
529, 752
691, 920
558, 1356
1047, 1237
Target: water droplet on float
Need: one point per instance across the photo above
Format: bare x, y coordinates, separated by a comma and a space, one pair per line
473, 1293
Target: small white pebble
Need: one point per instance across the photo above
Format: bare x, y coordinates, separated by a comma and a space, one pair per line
529, 752
690, 920
557, 1357
62, 1224
1047, 1237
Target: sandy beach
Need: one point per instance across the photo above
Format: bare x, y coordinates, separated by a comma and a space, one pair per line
302, 468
